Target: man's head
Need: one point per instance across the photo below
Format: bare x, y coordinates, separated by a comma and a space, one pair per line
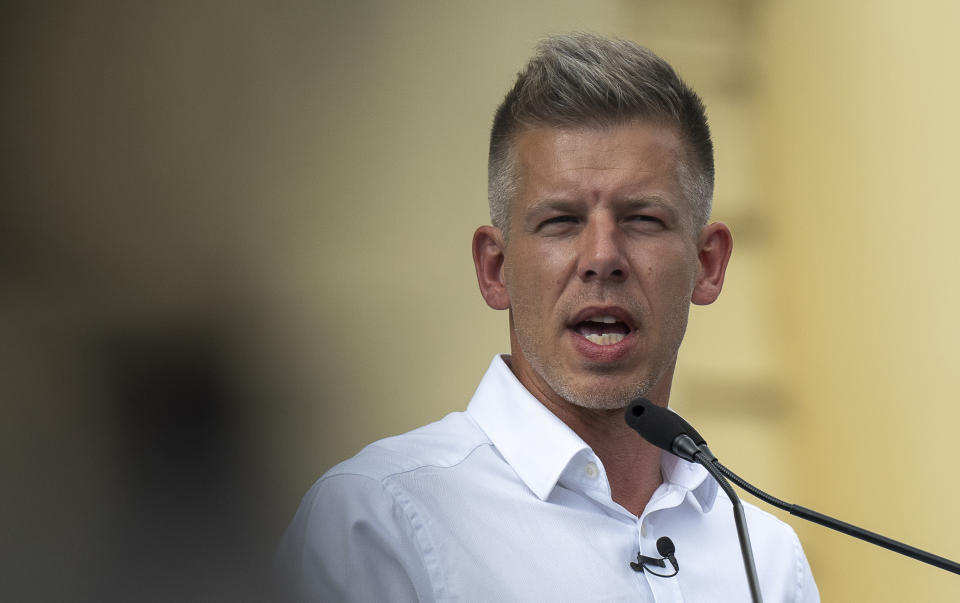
581, 80
599, 243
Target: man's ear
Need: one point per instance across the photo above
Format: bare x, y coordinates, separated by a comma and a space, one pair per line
713, 251
488, 247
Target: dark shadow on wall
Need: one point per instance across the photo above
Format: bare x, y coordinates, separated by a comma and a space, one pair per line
147, 395
186, 521
135, 477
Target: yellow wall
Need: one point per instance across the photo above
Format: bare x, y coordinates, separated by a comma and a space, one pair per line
859, 108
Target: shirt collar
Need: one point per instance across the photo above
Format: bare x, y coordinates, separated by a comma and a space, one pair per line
539, 446
531, 439
690, 477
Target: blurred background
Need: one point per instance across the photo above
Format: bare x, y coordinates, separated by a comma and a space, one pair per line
235, 248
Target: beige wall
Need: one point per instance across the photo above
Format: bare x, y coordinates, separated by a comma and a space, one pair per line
271, 207
860, 106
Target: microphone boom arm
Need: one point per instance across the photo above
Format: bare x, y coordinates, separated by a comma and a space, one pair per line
840, 526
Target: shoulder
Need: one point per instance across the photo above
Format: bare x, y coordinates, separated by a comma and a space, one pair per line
356, 517
779, 555
445, 443
770, 536
370, 483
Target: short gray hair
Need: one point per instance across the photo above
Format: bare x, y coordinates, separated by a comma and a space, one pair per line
580, 80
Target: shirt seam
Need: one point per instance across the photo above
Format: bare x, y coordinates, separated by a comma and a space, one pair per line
798, 566
425, 546
382, 478
426, 549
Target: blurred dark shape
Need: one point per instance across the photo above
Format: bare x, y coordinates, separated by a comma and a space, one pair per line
185, 524
133, 469
172, 410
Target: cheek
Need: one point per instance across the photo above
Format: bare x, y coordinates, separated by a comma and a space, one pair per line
674, 278
533, 271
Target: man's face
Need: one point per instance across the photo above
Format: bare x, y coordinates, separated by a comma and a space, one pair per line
601, 263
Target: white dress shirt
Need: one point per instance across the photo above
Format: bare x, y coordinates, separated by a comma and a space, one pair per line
504, 502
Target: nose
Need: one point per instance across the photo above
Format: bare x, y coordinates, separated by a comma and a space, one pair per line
601, 253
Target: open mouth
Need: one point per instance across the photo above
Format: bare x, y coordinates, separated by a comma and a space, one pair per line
602, 330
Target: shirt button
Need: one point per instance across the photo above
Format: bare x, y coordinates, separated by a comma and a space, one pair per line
590, 470
643, 529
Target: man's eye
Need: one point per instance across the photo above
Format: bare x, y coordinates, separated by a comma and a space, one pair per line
558, 220
646, 218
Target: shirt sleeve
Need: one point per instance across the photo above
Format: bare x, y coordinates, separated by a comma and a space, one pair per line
351, 541
807, 591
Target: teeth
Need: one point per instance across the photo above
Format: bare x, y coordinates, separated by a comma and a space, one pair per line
605, 339
607, 320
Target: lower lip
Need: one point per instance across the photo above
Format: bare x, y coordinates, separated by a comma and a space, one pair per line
602, 353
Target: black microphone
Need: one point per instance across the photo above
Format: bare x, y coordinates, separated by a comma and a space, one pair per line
663, 428
666, 549
668, 431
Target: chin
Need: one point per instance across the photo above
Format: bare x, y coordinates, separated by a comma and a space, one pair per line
601, 397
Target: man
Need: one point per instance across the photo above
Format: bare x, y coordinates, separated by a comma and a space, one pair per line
600, 183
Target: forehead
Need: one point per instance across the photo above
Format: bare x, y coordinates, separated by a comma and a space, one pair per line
636, 158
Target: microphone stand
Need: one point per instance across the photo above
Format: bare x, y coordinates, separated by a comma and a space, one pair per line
668, 431
685, 446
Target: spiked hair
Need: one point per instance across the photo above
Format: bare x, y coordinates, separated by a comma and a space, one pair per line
582, 80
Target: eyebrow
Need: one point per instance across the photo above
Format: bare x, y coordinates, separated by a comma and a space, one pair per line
546, 205
541, 205
563, 204
654, 201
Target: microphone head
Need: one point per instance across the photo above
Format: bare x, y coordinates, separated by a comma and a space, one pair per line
658, 425
665, 547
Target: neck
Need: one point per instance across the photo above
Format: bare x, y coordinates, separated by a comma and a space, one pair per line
632, 464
